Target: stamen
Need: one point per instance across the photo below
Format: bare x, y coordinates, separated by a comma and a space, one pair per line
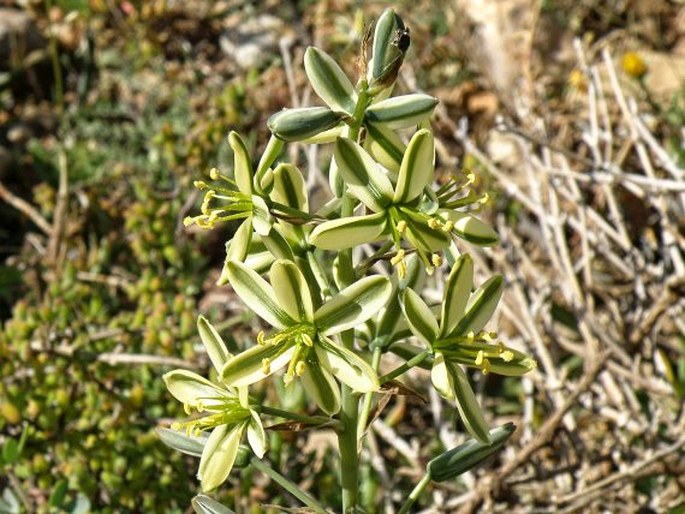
214, 174
187, 408
399, 257
266, 365
300, 368
480, 357
507, 356
448, 226
436, 260
260, 338
401, 226
485, 369
200, 184
307, 340
433, 223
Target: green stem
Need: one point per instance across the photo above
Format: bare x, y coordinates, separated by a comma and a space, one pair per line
414, 495
289, 486
294, 416
368, 398
414, 361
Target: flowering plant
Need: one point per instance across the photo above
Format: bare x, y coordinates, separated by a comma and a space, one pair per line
335, 316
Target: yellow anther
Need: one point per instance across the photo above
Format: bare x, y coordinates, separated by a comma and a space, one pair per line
401, 226
187, 408
436, 260
199, 406
300, 368
176, 426
307, 340
288, 378
398, 258
485, 368
507, 356
402, 270
200, 184
480, 357
448, 226
433, 223
260, 338
470, 178
488, 336
214, 174
207, 199
266, 365
470, 337
484, 199
197, 432
189, 220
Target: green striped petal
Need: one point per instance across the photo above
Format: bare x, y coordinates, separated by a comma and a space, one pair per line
278, 245
261, 216
214, 344
401, 112
289, 187
322, 387
327, 136
271, 153
256, 436
348, 232
385, 146
249, 367
416, 171
471, 229
481, 306
238, 247
426, 238
457, 294
257, 294
364, 178
300, 124
242, 168
441, 378
384, 33
419, 316
329, 81
219, 455
192, 389
353, 305
346, 366
203, 504
467, 404
292, 291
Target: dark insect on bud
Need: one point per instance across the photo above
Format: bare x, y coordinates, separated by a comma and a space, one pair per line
402, 39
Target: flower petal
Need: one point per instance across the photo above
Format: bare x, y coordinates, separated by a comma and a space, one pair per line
248, 367
364, 178
256, 435
329, 81
441, 378
402, 111
215, 346
289, 187
303, 123
242, 168
481, 306
353, 305
346, 366
467, 404
418, 165
192, 389
457, 294
257, 294
322, 387
384, 145
203, 504
419, 316
471, 229
261, 216
219, 455
271, 153
238, 247
426, 238
292, 291
347, 232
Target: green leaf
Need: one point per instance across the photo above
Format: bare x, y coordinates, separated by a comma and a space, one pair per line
203, 504
457, 294
257, 294
192, 389
348, 232
346, 366
471, 229
481, 305
401, 112
417, 168
329, 81
364, 178
322, 387
384, 145
248, 367
242, 168
180, 441
300, 124
292, 291
468, 455
353, 305
214, 345
219, 455
467, 404
289, 188
10, 451
419, 316
59, 493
